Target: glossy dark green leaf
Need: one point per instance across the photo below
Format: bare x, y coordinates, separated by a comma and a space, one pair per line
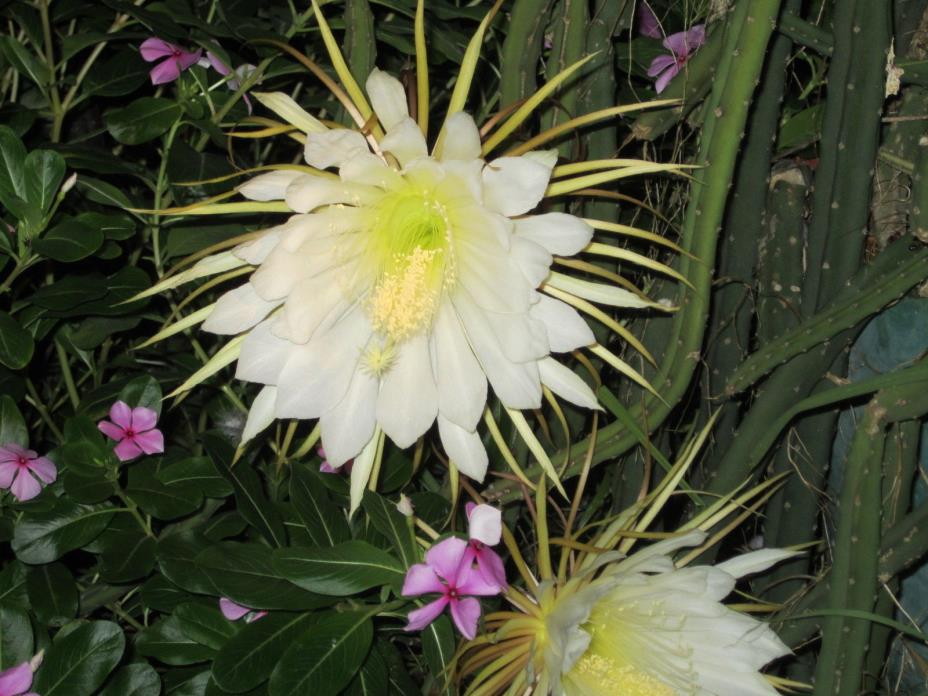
52, 593
224, 526
342, 570
13, 176
118, 227
16, 344
122, 74
122, 285
400, 680
372, 679
102, 192
13, 585
70, 240
158, 500
127, 555
78, 663
44, 171
69, 292
160, 594
12, 425
324, 522
144, 119
42, 537
248, 658
16, 640
438, 644
24, 61
188, 239
324, 659
93, 331
167, 642
142, 391
136, 679
205, 624
176, 558
245, 574
253, 505
87, 486
197, 473
393, 525
190, 682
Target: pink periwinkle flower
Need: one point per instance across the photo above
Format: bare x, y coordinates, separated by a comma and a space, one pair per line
648, 24
233, 611
16, 681
24, 472
448, 573
485, 528
134, 430
327, 468
174, 59
682, 46
234, 82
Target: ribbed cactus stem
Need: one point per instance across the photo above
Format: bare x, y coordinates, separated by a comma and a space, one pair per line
521, 50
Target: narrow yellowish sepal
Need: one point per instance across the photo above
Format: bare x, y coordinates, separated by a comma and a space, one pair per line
225, 356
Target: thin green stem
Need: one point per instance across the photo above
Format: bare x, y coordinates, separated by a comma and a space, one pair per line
39, 406
58, 113
133, 510
67, 375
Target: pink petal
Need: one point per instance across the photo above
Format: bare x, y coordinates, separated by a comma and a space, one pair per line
466, 613
120, 413
327, 468
25, 487
684, 43
660, 64
469, 509
151, 442
15, 680
647, 22
126, 450
486, 524
10, 452
471, 582
420, 618
143, 419
255, 615
154, 48
491, 568
8, 470
320, 452
188, 58
113, 432
421, 579
217, 64
164, 72
44, 468
445, 558
231, 610
665, 79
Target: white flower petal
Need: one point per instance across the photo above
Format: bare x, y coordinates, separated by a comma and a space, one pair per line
755, 561
461, 139
408, 400
463, 185
263, 355
333, 148
567, 384
546, 158
462, 386
314, 304
261, 414
464, 448
522, 338
307, 193
559, 233
485, 524
487, 272
516, 384
370, 170
349, 426
255, 251
281, 270
533, 259
565, 327
238, 310
405, 142
271, 186
514, 185
388, 98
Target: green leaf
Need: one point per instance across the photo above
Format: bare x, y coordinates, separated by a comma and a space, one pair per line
186, 682
24, 62
69, 292
400, 681
168, 642
78, 663
346, 569
158, 500
176, 558
325, 523
223, 526
127, 555
205, 624
16, 641
12, 425
249, 495
16, 344
103, 193
142, 120
142, 391
251, 654
392, 524
160, 594
197, 473
245, 574
12, 172
44, 170
70, 240
118, 227
323, 660
43, 537
438, 648
120, 75
13, 585
372, 680
52, 593
137, 679
93, 331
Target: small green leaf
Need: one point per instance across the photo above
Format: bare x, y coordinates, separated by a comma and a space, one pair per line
127, 555
16, 344
167, 642
52, 593
142, 120
372, 679
44, 171
388, 521
13, 586
342, 570
70, 240
438, 648
205, 624
42, 537
12, 172
16, 641
142, 391
78, 663
103, 193
324, 522
176, 558
69, 292
137, 679
12, 425
160, 594
158, 500
120, 75
324, 659
118, 227
197, 473
250, 655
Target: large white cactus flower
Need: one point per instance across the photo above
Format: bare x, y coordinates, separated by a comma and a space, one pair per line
404, 285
